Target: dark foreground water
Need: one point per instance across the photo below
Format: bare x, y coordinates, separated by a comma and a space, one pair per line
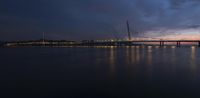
100, 72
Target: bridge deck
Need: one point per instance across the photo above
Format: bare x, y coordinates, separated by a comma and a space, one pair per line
166, 41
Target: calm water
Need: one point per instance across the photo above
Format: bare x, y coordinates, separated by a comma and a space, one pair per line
100, 72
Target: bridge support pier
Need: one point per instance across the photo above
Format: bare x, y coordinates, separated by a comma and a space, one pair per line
199, 43
162, 43
178, 44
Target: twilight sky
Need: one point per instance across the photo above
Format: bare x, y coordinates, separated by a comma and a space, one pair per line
98, 19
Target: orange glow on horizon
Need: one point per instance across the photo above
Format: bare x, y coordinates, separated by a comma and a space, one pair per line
173, 34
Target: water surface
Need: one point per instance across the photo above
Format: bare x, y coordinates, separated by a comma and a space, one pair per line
100, 72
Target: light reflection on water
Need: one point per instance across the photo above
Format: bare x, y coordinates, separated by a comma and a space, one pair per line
193, 59
149, 55
112, 59
167, 58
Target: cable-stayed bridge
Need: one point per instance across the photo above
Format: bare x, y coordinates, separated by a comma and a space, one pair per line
130, 41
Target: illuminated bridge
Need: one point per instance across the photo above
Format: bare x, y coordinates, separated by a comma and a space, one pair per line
140, 42
178, 43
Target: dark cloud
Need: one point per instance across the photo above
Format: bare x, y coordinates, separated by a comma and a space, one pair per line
94, 19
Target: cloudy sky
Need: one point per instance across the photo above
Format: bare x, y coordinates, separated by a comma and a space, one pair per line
98, 19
